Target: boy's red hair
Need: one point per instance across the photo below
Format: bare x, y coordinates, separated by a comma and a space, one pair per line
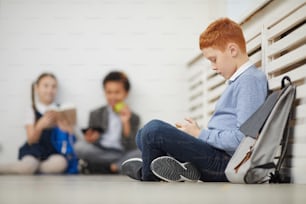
221, 32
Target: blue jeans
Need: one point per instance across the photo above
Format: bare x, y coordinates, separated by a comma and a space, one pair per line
158, 138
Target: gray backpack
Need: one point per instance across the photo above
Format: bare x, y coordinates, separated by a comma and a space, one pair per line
257, 158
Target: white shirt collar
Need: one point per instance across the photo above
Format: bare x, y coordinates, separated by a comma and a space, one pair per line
42, 108
240, 70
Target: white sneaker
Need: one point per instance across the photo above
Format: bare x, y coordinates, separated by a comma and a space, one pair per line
169, 169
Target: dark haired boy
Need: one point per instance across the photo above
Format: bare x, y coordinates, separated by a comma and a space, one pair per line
110, 136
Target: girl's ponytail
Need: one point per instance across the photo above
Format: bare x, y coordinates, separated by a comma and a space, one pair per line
33, 100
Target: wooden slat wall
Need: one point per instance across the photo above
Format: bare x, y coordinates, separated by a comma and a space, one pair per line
286, 55
277, 46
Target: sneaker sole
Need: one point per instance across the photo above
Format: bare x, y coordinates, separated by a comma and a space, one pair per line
169, 169
133, 159
126, 170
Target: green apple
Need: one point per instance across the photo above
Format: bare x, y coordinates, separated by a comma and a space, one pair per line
118, 106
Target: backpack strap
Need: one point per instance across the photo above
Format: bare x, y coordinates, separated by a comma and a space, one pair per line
285, 138
276, 177
283, 81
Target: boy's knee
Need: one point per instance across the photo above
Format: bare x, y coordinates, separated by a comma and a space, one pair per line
153, 125
80, 148
151, 128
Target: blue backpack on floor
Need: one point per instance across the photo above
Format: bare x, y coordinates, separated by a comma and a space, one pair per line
63, 143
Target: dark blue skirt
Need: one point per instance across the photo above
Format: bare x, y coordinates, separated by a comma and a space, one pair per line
41, 150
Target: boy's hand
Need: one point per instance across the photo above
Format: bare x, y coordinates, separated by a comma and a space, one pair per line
191, 127
125, 114
91, 135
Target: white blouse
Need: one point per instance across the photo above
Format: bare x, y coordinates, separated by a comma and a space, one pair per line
41, 108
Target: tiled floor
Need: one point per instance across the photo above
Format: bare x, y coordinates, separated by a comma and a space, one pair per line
120, 189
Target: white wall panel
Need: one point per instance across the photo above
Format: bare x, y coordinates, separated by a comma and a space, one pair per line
82, 40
